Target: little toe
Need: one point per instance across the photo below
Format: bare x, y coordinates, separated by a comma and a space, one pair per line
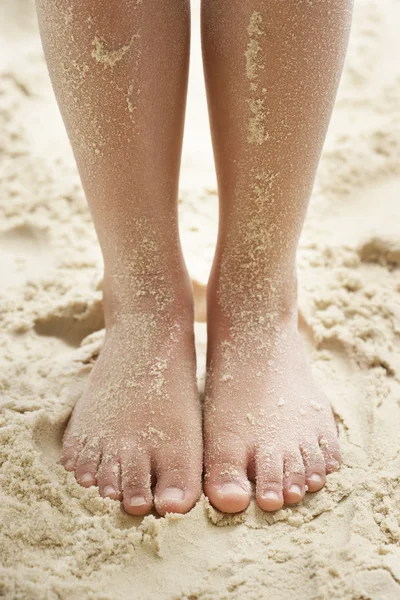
293, 479
329, 445
226, 483
108, 477
136, 484
269, 480
69, 457
70, 451
87, 464
314, 465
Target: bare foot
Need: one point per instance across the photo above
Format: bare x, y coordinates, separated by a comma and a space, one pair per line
265, 418
139, 422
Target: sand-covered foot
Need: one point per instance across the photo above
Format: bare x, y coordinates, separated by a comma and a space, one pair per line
137, 428
265, 418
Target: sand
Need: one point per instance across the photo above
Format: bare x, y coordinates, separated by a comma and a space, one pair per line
60, 541
256, 129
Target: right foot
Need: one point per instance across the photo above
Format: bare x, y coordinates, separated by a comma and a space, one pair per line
138, 425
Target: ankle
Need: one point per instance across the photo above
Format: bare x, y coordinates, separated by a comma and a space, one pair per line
237, 298
165, 294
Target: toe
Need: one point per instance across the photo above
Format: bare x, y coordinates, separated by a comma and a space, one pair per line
314, 466
87, 464
269, 480
69, 455
71, 449
226, 483
174, 493
231, 497
178, 481
329, 445
136, 483
109, 477
293, 478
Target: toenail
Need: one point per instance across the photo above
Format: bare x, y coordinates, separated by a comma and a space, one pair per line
231, 489
138, 501
69, 465
87, 478
316, 478
109, 490
271, 496
295, 489
171, 495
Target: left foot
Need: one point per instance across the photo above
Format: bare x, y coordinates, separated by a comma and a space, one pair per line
136, 431
265, 418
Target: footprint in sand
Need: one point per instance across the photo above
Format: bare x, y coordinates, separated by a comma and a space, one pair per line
24, 254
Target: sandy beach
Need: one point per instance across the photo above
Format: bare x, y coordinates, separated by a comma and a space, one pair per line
61, 541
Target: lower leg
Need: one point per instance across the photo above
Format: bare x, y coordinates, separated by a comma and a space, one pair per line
272, 70
119, 70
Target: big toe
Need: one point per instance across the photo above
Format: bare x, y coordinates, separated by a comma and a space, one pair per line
226, 482
230, 497
178, 481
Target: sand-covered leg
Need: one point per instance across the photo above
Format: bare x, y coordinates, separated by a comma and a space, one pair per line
272, 69
119, 70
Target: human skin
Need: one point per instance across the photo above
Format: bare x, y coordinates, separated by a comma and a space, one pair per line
119, 71
272, 70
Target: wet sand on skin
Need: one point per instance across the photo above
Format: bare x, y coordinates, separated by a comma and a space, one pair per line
59, 540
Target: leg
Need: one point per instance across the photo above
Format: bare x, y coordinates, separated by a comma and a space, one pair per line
119, 70
272, 69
